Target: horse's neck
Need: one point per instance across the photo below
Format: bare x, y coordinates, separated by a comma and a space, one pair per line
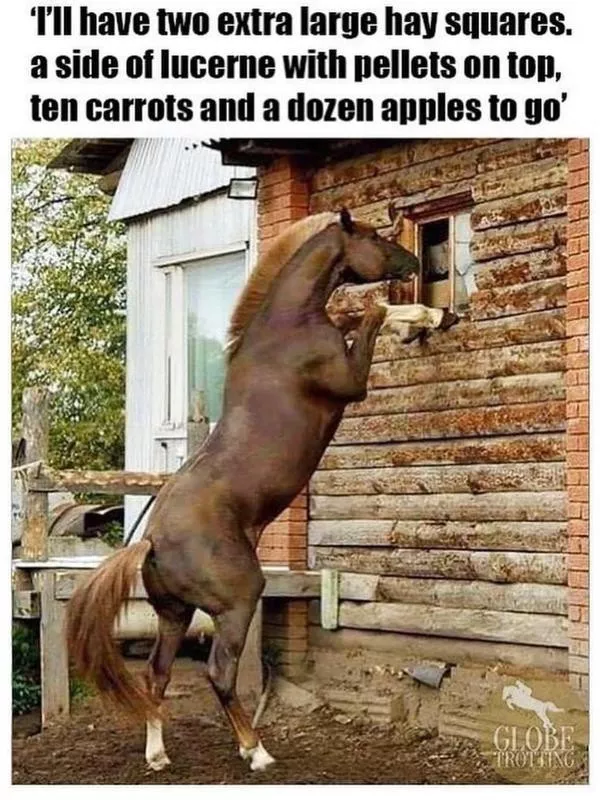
306, 282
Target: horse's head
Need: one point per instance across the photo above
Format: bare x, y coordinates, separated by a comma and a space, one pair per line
369, 257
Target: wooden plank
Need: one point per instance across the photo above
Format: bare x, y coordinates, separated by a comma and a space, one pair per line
520, 359
329, 599
541, 326
412, 181
353, 299
390, 159
378, 646
518, 536
529, 388
481, 421
515, 180
278, 584
505, 301
520, 208
522, 268
442, 479
502, 449
99, 482
535, 598
34, 536
522, 238
514, 152
500, 626
54, 657
499, 567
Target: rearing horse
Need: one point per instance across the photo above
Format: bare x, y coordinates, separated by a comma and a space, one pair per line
290, 375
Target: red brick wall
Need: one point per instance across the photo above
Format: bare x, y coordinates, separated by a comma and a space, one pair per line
283, 199
578, 410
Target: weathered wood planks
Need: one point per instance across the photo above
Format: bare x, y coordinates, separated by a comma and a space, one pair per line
536, 598
501, 449
501, 506
424, 480
499, 626
537, 537
498, 567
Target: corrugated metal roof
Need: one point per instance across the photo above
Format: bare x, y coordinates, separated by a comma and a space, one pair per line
161, 173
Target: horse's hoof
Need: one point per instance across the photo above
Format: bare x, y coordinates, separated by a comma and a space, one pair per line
449, 318
257, 756
158, 762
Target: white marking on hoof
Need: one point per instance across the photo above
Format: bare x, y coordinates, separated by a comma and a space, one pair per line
156, 756
257, 756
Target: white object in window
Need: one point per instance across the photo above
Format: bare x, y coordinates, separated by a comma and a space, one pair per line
212, 286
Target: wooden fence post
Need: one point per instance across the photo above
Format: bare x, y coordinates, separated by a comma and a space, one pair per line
54, 655
34, 538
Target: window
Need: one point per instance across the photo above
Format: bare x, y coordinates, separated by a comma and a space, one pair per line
440, 235
212, 288
199, 294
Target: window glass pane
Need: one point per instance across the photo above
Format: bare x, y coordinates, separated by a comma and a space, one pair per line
463, 263
212, 288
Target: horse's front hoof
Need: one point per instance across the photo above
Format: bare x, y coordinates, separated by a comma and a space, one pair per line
449, 318
257, 757
159, 762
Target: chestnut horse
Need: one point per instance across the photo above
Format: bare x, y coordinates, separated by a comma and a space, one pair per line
290, 375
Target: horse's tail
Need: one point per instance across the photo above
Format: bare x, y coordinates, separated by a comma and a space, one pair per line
91, 614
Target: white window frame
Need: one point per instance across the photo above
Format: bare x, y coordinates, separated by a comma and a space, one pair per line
175, 427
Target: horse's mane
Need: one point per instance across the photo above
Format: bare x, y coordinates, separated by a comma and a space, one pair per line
267, 269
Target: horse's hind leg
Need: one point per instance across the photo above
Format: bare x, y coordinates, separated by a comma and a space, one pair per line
231, 628
171, 631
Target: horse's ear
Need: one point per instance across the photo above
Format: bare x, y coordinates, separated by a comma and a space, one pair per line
346, 221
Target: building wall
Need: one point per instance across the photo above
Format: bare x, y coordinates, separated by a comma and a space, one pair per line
443, 498
204, 226
448, 483
577, 380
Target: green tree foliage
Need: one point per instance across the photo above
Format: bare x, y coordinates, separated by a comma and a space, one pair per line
68, 307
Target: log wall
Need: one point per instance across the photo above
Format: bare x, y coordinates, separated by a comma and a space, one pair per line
442, 498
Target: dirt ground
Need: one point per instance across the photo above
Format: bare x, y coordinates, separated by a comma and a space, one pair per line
322, 747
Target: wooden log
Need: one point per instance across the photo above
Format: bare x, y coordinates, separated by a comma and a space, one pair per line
329, 599
466, 337
505, 301
503, 506
511, 181
391, 159
535, 598
520, 359
522, 238
462, 394
398, 647
412, 181
503, 449
522, 268
34, 537
354, 299
498, 567
518, 536
100, 482
482, 421
500, 626
520, 208
518, 152
54, 657
289, 583
442, 479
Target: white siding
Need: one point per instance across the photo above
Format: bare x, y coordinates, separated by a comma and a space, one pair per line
210, 225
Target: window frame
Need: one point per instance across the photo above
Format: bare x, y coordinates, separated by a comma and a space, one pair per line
174, 388
422, 214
